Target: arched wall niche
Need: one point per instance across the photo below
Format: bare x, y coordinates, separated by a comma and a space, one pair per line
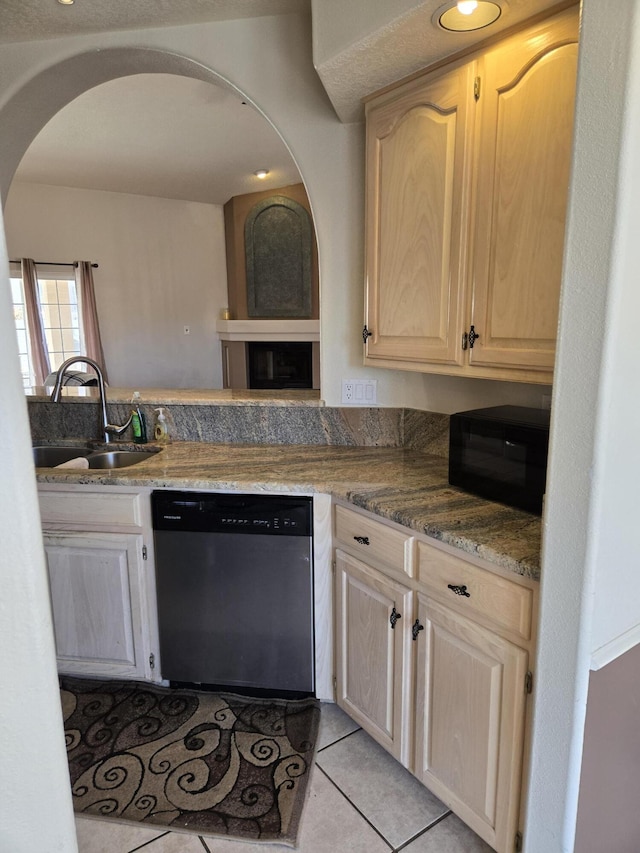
31, 107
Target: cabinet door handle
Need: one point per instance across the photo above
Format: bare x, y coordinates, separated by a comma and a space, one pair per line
365, 334
394, 617
416, 628
362, 540
459, 590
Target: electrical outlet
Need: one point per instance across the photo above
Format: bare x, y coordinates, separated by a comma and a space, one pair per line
347, 391
359, 392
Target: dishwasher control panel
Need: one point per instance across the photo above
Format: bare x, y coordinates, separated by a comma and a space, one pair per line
240, 513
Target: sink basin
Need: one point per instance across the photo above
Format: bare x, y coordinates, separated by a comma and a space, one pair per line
49, 456
118, 458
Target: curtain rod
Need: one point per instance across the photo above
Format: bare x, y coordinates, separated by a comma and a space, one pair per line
54, 264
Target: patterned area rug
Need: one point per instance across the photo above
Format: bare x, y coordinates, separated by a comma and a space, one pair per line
209, 763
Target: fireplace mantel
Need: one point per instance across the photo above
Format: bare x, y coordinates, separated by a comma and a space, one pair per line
268, 330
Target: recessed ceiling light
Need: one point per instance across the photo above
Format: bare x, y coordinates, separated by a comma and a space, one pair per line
261, 173
467, 15
66, 2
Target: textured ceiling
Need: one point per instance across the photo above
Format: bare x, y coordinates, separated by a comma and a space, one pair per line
406, 42
28, 20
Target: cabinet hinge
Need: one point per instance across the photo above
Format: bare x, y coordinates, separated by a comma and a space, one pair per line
528, 682
152, 661
476, 88
144, 552
518, 842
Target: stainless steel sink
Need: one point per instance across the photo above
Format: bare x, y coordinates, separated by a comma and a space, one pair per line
48, 456
118, 458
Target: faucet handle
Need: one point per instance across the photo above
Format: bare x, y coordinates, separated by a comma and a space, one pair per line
116, 429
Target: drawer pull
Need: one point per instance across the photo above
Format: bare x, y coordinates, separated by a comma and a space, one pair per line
416, 628
459, 590
362, 540
394, 617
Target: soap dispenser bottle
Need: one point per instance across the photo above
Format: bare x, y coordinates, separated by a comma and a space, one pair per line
160, 431
138, 422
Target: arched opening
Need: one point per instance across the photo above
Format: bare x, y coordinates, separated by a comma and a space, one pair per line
159, 284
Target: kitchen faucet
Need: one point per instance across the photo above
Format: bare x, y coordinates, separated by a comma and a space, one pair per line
107, 429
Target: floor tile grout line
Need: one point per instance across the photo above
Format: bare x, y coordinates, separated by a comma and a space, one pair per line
151, 840
353, 806
339, 740
423, 831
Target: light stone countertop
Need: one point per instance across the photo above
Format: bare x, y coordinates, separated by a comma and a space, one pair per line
184, 396
405, 486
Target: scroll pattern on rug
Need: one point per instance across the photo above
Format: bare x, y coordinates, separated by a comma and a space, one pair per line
210, 763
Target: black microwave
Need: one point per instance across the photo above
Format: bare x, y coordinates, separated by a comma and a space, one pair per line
500, 453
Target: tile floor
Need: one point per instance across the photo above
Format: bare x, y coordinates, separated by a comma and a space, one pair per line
360, 801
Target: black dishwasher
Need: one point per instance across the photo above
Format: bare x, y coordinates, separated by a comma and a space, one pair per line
234, 577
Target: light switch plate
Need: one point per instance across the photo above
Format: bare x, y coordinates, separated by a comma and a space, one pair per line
359, 392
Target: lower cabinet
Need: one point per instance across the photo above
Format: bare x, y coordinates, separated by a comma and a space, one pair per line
433, 657
470, 711
374, 684
101, 582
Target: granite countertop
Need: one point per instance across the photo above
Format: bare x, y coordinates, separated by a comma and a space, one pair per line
184, 397
405, 486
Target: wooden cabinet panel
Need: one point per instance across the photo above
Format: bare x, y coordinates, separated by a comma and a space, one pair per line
466, 196
444, 692
417, 153
470, 721
498, 602
373, 658
98, 544
95, 596
99, 509
524, 156
372, 540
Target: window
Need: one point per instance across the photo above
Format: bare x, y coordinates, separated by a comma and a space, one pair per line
61, 320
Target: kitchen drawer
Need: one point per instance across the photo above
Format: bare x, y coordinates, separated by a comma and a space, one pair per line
498, 602
91, 509
374, 541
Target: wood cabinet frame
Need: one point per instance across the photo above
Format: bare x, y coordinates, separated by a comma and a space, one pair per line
467, 173
452, 704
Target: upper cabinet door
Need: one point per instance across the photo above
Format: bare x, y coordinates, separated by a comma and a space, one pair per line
418, 169
524, 156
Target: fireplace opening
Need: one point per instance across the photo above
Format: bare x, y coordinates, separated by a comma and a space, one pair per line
283, 364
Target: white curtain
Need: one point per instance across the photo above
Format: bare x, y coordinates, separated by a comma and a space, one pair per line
39, 351
91, 328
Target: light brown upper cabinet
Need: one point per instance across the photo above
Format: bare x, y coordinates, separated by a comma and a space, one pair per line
467, 181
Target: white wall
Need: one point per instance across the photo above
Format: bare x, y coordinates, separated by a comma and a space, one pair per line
590, 568
161, 266
34, 777
616, 593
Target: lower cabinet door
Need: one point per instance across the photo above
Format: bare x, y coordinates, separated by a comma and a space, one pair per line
470, 707
95, 581
373, 639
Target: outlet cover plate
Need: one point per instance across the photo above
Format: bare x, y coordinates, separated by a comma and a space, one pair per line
359, 392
